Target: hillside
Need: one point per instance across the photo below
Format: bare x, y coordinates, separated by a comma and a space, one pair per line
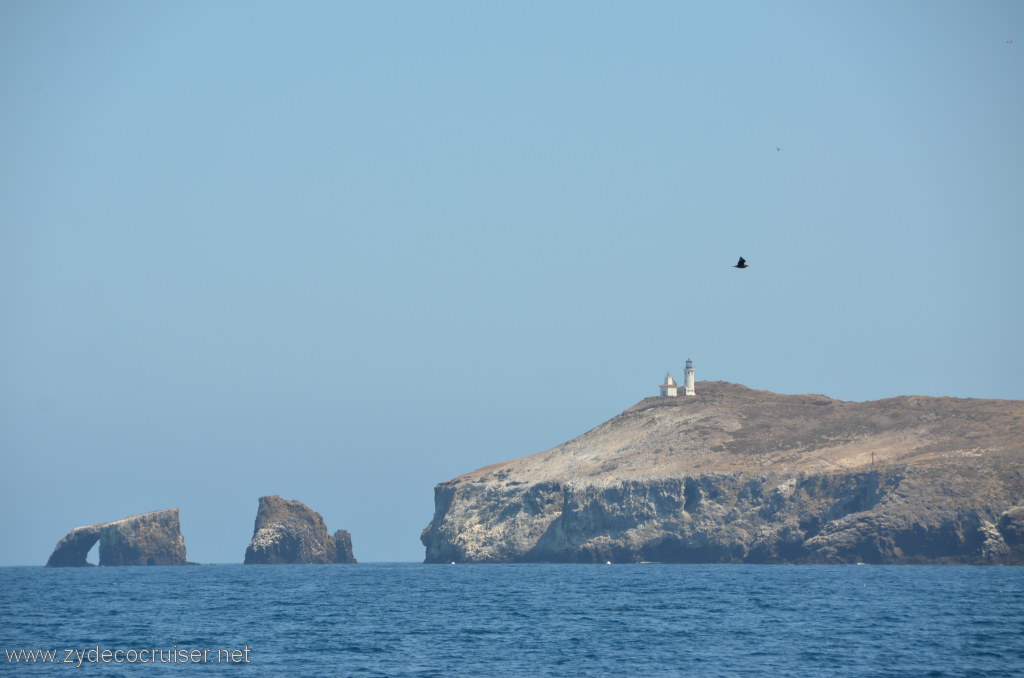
738, 475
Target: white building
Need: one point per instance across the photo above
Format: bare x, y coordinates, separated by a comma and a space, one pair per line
671, 389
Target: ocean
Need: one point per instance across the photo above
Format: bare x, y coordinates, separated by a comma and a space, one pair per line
408, 619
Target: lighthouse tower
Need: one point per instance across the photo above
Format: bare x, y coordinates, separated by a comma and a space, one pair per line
688, 380
670, 387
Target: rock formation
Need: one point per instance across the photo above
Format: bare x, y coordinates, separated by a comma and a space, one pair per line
289, 532
146, 539
73, 549
343, 547
736, 475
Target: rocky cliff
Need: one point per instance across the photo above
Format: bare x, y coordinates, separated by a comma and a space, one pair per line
147, 539
289, 532
737, 475
343, 547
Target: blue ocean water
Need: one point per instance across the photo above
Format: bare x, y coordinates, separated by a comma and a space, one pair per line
518, 620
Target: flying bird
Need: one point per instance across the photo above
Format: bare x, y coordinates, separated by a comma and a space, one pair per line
742, 263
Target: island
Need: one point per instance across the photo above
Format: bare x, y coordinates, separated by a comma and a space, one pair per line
146, 539
288, 532
729, 474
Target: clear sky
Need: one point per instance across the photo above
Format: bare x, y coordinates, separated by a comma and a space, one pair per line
343, 251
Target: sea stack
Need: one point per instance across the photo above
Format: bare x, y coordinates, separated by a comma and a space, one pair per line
146, 539
735, 475
288, 532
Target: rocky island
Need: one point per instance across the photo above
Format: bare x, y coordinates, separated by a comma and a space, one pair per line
736, 475
146, 539
288, 532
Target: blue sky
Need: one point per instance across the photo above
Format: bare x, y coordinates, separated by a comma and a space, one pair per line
343, 251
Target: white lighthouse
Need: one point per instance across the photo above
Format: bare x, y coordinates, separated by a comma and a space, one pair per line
688, 379
670, 387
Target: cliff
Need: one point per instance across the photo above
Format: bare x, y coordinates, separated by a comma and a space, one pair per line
289, 532
147, 539
343, 547
737, 475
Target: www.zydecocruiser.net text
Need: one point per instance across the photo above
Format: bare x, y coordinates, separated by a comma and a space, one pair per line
100, 655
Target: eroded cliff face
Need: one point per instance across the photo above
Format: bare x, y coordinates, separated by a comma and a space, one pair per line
73, 549
289, 532
343, 547
147, 539
150, 539
751, 476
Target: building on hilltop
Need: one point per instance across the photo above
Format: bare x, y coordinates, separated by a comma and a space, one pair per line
670, 388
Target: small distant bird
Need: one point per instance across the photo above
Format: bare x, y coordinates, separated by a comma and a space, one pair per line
1009, 42
742, 263
778, 148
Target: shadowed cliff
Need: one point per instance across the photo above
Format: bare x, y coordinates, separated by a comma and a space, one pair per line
738, 475
289, 532
146, 539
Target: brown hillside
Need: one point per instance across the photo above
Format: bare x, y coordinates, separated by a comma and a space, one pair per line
738, 475
729, 427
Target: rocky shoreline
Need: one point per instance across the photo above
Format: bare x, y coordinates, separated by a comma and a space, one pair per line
731, 475
744, 476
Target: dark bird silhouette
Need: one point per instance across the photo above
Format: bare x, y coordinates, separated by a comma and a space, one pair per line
742, 263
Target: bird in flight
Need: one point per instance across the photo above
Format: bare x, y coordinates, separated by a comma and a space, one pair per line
742, 263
